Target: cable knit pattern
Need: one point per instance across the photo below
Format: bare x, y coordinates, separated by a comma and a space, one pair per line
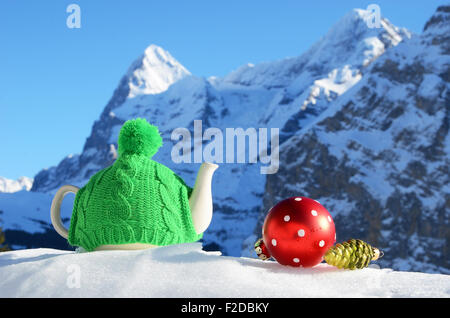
136, 200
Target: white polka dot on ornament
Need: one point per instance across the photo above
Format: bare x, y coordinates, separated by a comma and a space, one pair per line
296, 260
329, 219
322, 243
301, 232
298, 199
314, 212
274, 242
287, 218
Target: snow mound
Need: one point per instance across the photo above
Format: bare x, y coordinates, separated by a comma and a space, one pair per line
187, 271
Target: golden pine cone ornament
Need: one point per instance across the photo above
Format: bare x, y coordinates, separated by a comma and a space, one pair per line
261, 250
353, 254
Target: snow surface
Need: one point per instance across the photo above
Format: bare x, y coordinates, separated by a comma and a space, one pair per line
187, 271
10, 186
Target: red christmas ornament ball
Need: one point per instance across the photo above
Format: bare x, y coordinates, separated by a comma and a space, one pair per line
298, 231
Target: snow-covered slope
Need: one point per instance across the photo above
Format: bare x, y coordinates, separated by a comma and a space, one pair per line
10, 186
187, 271
379, 157
286, 94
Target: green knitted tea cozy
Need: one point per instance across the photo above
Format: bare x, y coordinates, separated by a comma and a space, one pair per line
135, 200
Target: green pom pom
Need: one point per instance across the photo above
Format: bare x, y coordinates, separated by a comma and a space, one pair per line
137, 136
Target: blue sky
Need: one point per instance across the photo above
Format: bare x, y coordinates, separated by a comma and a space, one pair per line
55, 81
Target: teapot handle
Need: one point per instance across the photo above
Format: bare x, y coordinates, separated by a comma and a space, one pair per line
55, 210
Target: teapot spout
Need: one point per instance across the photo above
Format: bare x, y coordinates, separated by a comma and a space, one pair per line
200, 200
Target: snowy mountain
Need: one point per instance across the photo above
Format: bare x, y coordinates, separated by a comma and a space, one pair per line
292, 94
379, 157
187, 271
271, 98
10, 186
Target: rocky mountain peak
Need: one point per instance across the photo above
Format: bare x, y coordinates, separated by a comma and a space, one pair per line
153, 72
440, 21
353, 33
350, 41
